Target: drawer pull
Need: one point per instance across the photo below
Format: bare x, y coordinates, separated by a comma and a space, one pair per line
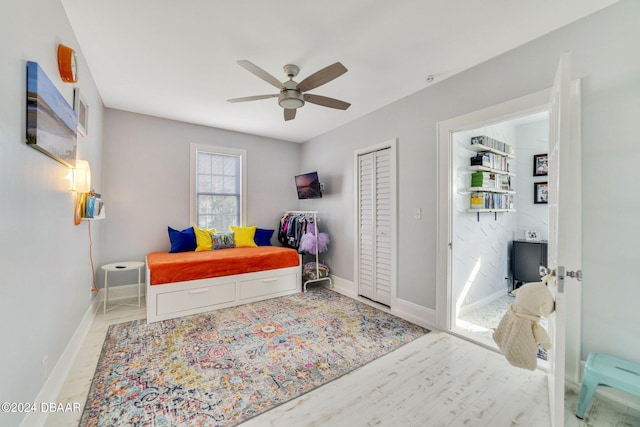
271, 279
198, 291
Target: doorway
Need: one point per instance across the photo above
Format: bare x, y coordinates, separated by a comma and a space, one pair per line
484, 241
474, 271
565, 129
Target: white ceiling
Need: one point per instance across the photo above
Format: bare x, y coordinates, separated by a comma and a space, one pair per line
177, 59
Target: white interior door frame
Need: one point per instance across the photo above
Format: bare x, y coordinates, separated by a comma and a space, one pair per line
392, 145
529, 104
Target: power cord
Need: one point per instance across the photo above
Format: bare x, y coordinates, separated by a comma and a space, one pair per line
93, 272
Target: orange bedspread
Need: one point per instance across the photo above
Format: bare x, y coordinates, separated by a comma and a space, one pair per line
184, 266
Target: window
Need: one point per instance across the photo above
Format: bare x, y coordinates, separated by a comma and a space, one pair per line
217, 187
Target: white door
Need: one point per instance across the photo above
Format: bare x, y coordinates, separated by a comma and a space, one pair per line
565, 245
375, 225
366, 229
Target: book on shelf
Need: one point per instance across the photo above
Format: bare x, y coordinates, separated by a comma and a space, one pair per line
490, 180
92, 206
503, 182
477, 200
480, 159
484, 200
490, 160
492, 143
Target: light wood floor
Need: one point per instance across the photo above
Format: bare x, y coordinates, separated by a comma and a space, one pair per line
437, 380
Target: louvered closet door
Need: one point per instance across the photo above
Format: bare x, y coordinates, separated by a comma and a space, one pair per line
374, 213
366, 187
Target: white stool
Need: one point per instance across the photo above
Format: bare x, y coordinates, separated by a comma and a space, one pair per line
120, 266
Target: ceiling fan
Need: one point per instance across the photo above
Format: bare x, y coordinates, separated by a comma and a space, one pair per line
292, 94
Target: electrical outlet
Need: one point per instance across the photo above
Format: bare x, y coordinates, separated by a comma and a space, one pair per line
417, 213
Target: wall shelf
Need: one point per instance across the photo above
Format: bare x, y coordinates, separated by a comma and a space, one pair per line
102, 215
490, 190
495, 212
483, 148
488, 169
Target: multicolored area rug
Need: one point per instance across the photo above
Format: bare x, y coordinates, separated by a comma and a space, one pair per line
224, 367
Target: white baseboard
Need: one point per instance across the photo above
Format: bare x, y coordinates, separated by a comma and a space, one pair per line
123, 292
423, 316
406, 310
484, 301
345, 287
52, 386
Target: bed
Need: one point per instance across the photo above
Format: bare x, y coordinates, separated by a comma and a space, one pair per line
180, 284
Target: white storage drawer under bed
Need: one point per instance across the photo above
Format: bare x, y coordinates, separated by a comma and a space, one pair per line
266, 286
178, 299
210, 296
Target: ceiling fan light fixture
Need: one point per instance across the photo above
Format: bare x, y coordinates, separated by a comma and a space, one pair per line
290, 99
293, 94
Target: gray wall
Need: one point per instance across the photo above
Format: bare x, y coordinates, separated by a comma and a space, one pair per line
604, 47
146, 186
45, 275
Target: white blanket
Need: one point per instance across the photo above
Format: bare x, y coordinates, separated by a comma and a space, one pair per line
519, 331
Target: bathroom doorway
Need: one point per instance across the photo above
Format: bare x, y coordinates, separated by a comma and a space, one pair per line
483, 238
480, 238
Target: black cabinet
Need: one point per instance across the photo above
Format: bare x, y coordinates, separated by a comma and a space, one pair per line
526, 258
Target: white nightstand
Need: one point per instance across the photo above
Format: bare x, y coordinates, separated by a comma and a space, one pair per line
120, 266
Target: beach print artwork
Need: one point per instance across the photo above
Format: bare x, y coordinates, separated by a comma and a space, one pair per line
51, 121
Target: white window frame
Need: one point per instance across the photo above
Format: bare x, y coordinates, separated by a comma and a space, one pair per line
194, 149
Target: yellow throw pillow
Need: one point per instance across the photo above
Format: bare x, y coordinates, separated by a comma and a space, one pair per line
244, 236
203, 238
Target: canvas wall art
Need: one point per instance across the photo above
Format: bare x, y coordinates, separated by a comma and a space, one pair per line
51, 122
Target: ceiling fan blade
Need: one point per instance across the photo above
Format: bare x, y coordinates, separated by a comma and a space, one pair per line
252, 98
259, 72
326, 101
321, 77
289, 114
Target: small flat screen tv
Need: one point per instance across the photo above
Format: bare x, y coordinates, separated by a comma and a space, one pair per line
308, 186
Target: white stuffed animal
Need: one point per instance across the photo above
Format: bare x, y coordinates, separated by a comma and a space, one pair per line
519, 331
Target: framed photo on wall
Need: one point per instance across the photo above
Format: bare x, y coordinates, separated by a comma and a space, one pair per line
82, 109
540, 192
540, 165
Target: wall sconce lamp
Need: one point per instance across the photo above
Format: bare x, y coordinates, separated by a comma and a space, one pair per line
81, 185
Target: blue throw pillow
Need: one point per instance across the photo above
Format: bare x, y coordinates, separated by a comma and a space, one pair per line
182, 241
263, 237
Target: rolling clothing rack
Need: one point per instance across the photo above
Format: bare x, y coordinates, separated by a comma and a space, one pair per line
314, 215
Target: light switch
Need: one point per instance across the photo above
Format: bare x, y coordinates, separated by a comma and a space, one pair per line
417, 213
